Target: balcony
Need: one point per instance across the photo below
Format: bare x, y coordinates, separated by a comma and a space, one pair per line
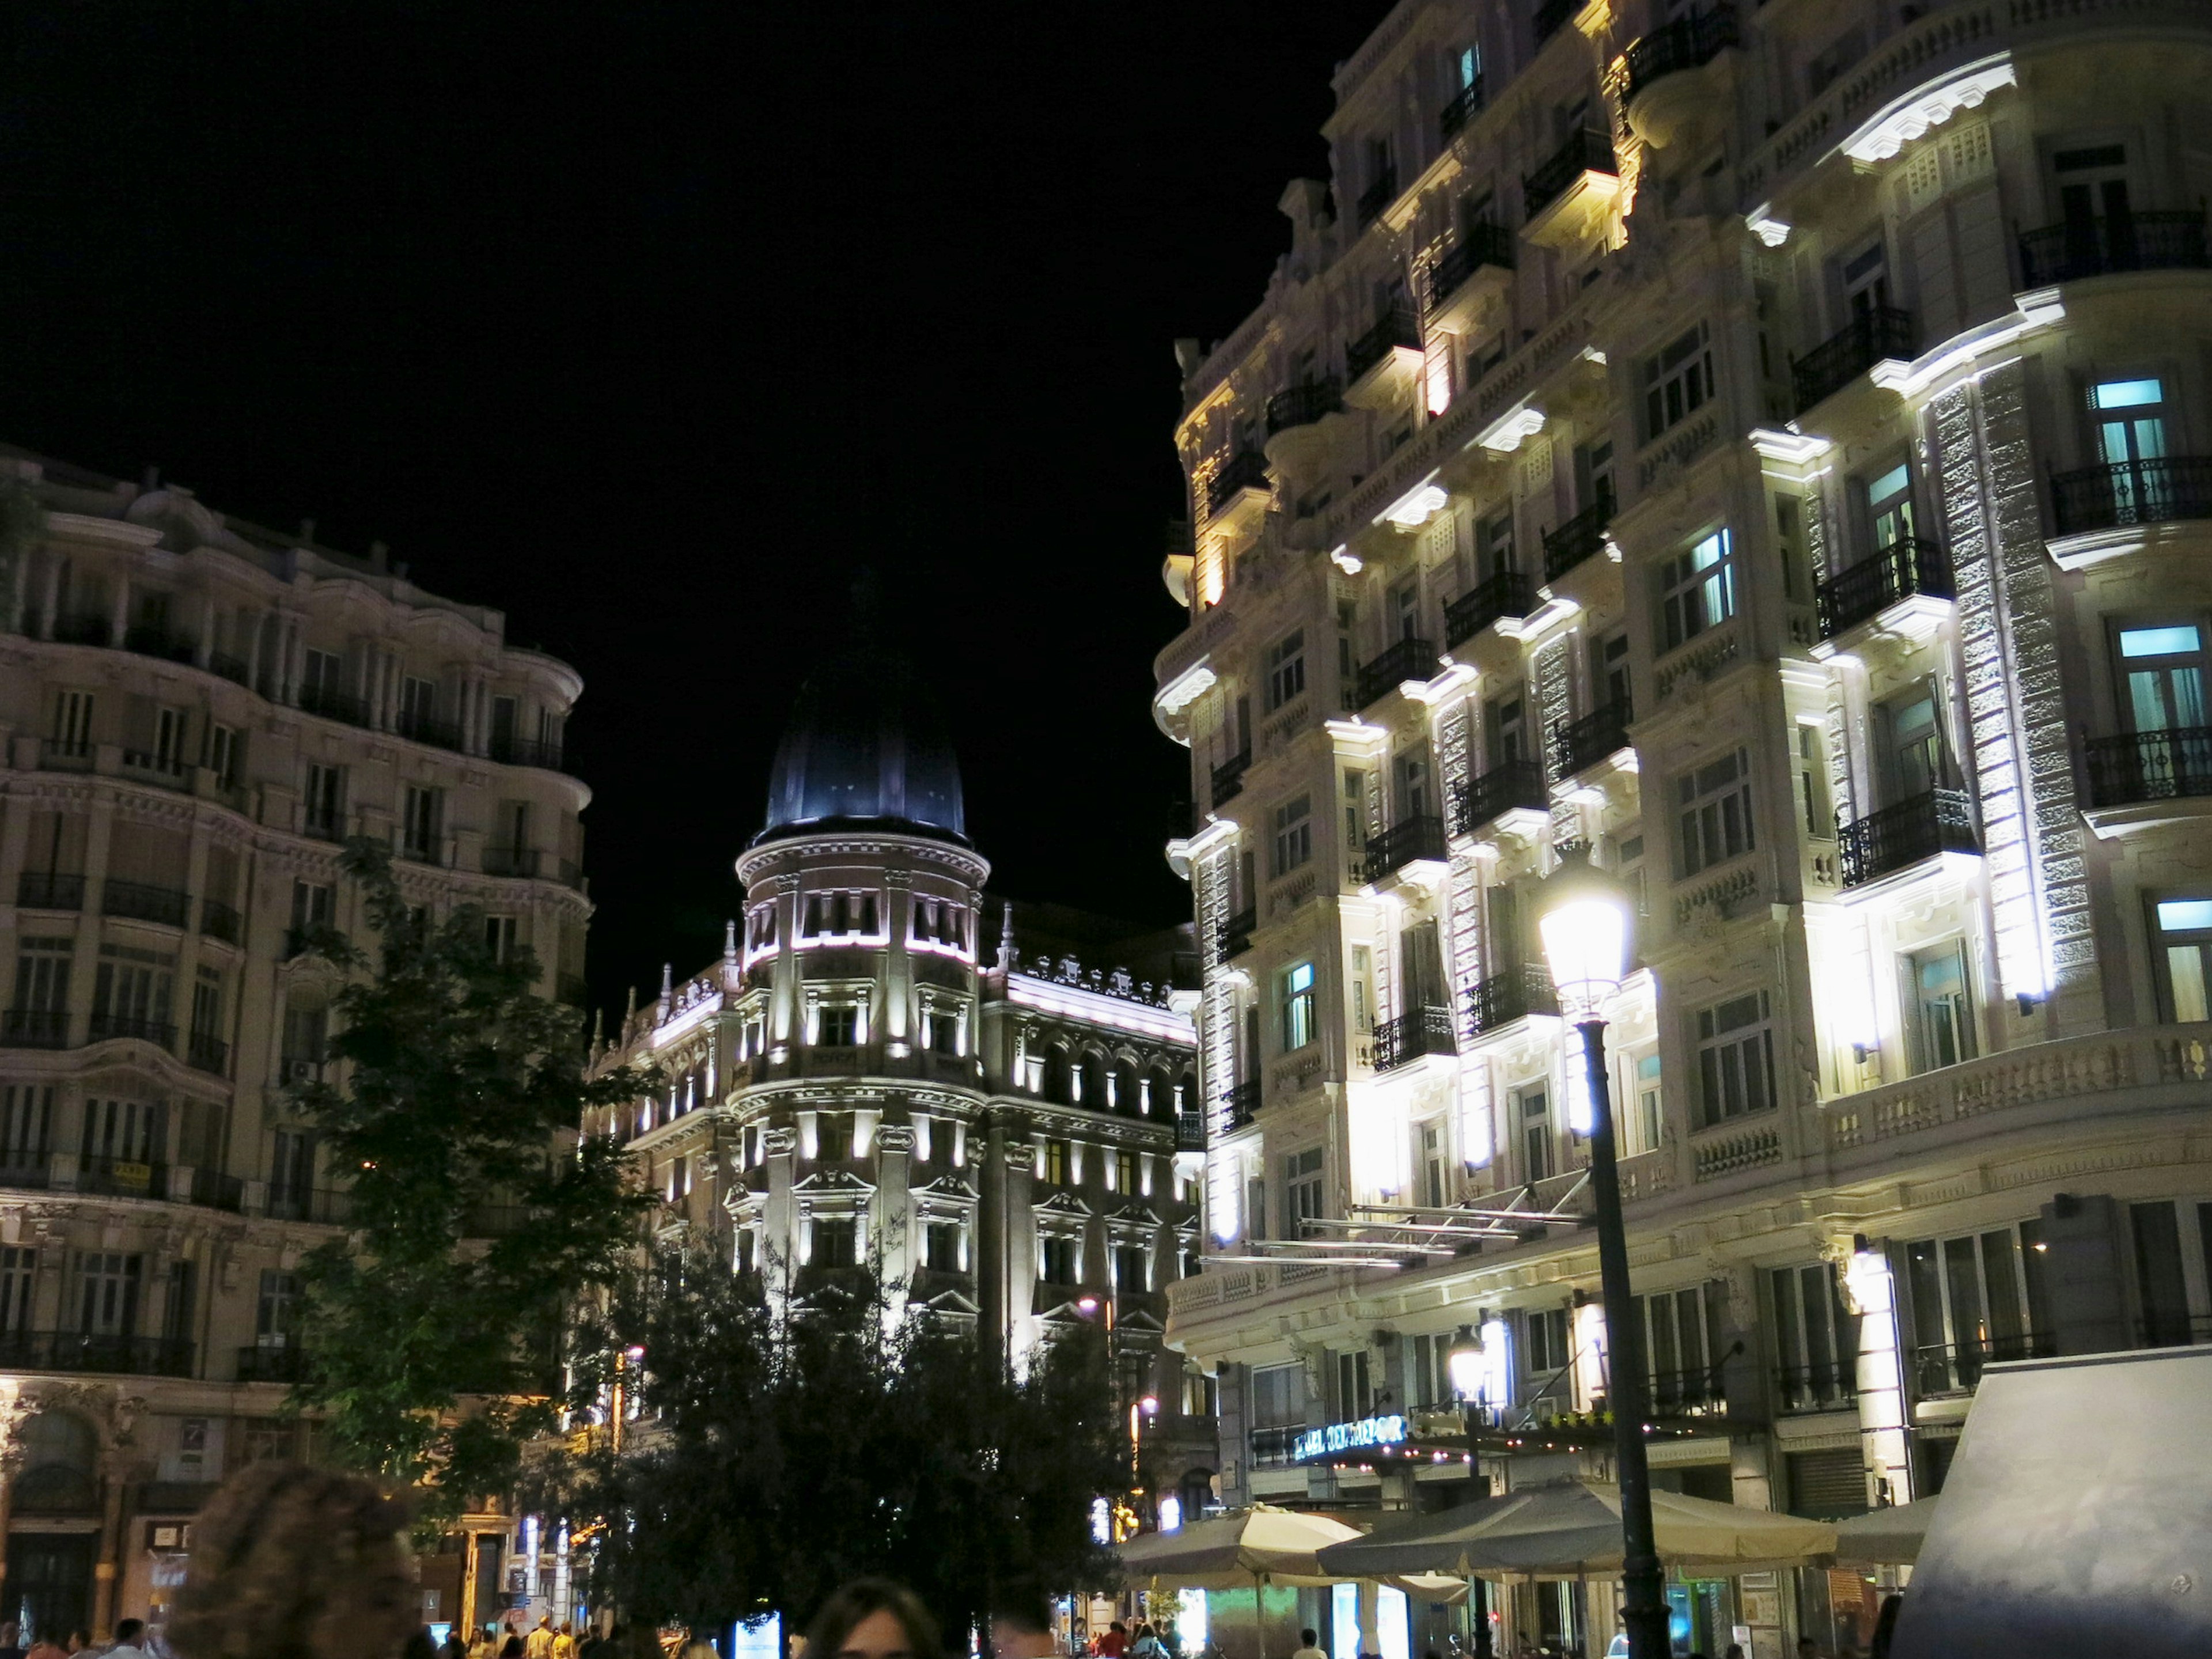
1462, 106
1868, 338
1242, 1101
1693, 1392
1899, 836
1276, 1448
331, 1206
1505, 594
1246, 470
1801, 1389
511, 860
1190, 1133
122, 1178
2131, 493
1511, 786
1563, 198
106, 1027
49, 890
1227, 781
1235, 936
64, 754
2135, 767
153, 642
1478, 265
166, 771
1382, 366
1495, 1003
1403, 660
332, 704
229, 667
206, 1052
1377, 196
1406, 841
222, 922
438, 735
1302, 405
1955, 1368
2173, 1329
1580, 538
34, 1028
259, 1364
1687, 42
142, 902
1578, 745
1905, 569
80, 1350
525, 752
1402, 1041
2103, 247
83, 627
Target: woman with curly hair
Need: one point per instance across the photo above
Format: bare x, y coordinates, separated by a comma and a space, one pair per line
294, 1563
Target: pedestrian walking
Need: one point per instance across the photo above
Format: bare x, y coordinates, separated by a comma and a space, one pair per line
287, 1561
512, 1648
564, 1641
47, 1648
1309, 1645
872, 1618
454, 1647
126, 1643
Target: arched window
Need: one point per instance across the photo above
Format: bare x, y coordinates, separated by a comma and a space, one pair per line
1129, 1098
1186, 1090
1057, 1087
1161, 1095
61, 1461
1094, 1081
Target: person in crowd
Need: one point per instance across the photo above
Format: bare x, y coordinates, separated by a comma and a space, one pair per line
1145, 1643
1021, 1627
421, 1644
47, 1648
872, 1618
564, 1641
81, 1641
1734, 1651
455, 1647
485, 1643
538, 1645
287, 1561
11, 1640
127, 1643
1309, 1645
512, 1648
1115, 1644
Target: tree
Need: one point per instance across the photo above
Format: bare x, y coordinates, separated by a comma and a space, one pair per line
782, 1452
474, 1216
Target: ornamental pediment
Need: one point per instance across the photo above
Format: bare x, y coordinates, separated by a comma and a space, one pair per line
831, 1180
1064, 1204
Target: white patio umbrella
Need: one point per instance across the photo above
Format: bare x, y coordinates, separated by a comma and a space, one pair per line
1262, 1544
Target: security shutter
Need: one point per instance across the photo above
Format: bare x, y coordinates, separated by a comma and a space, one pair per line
1824, 1485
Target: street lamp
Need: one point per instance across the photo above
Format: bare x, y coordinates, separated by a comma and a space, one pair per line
1584, 917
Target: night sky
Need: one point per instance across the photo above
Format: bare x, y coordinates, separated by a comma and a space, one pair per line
652, 324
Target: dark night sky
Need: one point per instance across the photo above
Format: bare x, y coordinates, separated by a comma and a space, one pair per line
651, 324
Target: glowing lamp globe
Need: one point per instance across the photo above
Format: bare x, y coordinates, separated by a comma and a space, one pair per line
1466, 1367
1582, 915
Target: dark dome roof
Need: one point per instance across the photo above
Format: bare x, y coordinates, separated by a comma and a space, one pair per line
866, 742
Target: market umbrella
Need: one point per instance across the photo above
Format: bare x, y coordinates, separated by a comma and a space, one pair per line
1230, 1552
1883, 1538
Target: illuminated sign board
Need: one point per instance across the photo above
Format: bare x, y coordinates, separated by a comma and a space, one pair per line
1338, 1439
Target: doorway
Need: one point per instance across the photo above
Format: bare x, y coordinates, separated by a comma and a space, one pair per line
50, 1584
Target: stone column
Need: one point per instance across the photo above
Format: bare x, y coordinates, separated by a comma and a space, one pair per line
894, 1209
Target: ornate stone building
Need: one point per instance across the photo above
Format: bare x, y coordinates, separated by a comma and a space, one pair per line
1767, 446
194, 712
993, 1103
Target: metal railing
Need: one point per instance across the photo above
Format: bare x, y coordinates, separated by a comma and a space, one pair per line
151, 642
1402, 661
2134, 767
1869, 336
1587, 150
1596, 736
34, 1028
106, 1027
1505, 594
1419, 1031
1956, 1367
1693, 1392
2099, 246
1276, 1448
1501, 788
122, 1178
1898, 836
2173, 1330
143, 902
1395, 327
526, 751
1903, 568
204, 1051
229, 667
423, 728
1513, 994
49, 890
1228, 778
1459, 109
167, 770
1242, 1101
80, 1351
510, 861
1237, 932
1403, 843
83, 627
2132, 492
330, 1205
1686, 43
1302, 405
1578, 539
1190, 1133
334, 705
64, 754
1378, 195
222, 922
1246, 470
28, 1166
260, 1365
1480, 245
1802, 1388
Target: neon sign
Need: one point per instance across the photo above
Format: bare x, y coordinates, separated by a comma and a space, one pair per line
1365, 1434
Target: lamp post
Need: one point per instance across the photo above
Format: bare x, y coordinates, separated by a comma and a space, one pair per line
1584, 917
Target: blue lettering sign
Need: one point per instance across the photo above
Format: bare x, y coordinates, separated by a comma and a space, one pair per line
1340, 1439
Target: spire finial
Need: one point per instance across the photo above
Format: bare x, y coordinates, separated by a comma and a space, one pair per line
730, 940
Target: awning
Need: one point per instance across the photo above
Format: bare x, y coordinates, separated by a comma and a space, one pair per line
1885, 1538
1236, 1552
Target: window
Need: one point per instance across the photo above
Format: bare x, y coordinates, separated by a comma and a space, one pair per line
2131, 416
19, 1278
1466, 67
207, 1006
1506, 718
1278, 1397
278, 1306
226, 755
1816, 1337
1302, 1190
499, 937
1299, 1025
833, 1138
1943, 1017
1593, 476
1286, 669
291, 1172
837, 1024
1293, 835
1355, 1396
1060, 1260
1133, 1268
26, 1126
2163, 671
42, 977
1612, 687
1435, 1167
1428, 1382
1678, 381
1355, 825
1912, 757
314, 904
1362, 989
323, 807
1969, 1300
1255, 1205
1683, 1347
1813, 781
73, 723
320, 675
2183, 948
836, 1242
941, 1247
1493, 546
829, 915
421, 824
1697, 590
1121, 1167
941, 1029
418, 704
1889, 507
1535, 1114
1544, 1342
1649, 1097
1714, 812
1736, 1059
107, 1292
131, 994
1056, 1162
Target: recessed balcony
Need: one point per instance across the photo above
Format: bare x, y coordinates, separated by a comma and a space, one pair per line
143, 902
1382, 365
1580, 538
1513, 786
1471, 275
1597, 737
1462, 106
1226, 780
1416, 1033
1565, 199
2139, 767
1872, 336
1406, 659
2122, 493
1506, 594
1662, 95
1907, 569
1242, 1102
1377, 197
2102, 246
1246, 470
1235, 936
49, 890
1513, 994
1899, 836
1409, 840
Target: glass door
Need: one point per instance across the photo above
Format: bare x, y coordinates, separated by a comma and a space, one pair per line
2162, 675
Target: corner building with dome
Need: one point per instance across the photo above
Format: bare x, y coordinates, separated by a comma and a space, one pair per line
993, 1103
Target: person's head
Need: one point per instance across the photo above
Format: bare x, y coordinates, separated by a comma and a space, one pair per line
1808, 1648
511, 1648
1021, 1626
872, 1618
287, 1560
80, 1640
420, 1644
1734, 1651
128, 1631
1311, 1638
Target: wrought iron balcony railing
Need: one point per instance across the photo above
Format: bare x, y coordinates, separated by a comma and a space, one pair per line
1512, 784
1397, 327
423, 728
1378, 195
1237, 933
2132, 492
1302, 405
204, 1051
1582, 743
153, 642
1869, 588
1514, 994
1587, 150
143, 902
2136, 767
1884, 332
83, 1350
222, 922
1956, 1367
1419, 1031
1402, 661
259, 1364
1462, 107
1802, 1388
49, 890
1505, 594
1189, 1131
231, 668
1686, 43
1228, 778
2100, 246
511, 860
83, 627
1242, 1101
1402, 844
1578, 539
333, 704
34, 1028
1480, 245
160, 1032
526, 751
1246, 470
1896, 837
122, 1178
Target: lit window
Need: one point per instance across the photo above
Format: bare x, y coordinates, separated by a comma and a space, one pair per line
1299, 1026
1648, 1100
1302, 1191
1942, 1011
1697, 590
1736, 1059
1293, 835
1678, 381
2184, 957
1714, 812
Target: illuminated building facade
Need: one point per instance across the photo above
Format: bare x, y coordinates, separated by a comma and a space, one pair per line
197, 712
993, 1104
1798, 413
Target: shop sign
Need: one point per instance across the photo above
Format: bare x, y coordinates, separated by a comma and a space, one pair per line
1337, 1439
